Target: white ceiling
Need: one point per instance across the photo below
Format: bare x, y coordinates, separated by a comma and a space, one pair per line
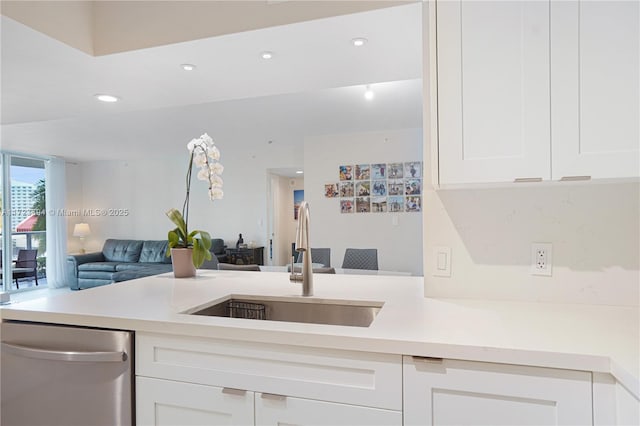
314, 85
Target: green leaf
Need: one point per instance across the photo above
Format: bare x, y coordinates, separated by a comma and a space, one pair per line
176, 217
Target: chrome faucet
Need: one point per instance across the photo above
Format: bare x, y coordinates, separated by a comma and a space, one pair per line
303, 246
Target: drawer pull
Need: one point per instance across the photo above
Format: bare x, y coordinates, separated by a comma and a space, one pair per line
273, 396
232, 391
529, 179
574, 178
428, 359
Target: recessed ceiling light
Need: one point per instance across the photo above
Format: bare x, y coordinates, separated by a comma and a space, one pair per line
357, 42
368, 93
188, 67
107, 98
299, 172
267, 55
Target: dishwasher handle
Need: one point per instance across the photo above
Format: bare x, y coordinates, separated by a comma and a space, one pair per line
72, 356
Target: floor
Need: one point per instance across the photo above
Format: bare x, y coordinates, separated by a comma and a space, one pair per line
29, 290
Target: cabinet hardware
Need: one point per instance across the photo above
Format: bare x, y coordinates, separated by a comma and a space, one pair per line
232, 391
273, 396
428, 359
574, 178
529, 179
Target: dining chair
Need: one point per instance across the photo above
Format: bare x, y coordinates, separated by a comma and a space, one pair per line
360, 259
210, 264
27, 258
232, 267
324, 270
318, 255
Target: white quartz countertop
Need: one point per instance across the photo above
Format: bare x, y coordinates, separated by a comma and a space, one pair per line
580, 337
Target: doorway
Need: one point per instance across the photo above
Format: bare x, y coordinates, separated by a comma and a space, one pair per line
281, 230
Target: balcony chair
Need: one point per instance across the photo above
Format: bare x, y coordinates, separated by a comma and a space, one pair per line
27, 258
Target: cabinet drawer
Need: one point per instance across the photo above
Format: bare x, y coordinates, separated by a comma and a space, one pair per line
349, 377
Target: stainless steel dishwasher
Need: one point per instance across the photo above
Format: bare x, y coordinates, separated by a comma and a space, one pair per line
62, 375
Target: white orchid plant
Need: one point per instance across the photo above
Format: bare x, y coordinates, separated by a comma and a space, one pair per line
205, 155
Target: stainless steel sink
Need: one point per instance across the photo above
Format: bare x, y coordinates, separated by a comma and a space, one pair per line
293, 309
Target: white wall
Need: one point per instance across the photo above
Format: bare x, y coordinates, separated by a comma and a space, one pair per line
147, 188
594, 229
399, 246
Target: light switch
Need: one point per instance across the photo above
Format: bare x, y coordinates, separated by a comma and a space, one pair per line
442, 261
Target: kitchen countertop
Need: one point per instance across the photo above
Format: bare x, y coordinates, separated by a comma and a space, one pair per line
595, 338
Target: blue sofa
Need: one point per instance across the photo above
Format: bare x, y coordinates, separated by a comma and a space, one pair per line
119, 260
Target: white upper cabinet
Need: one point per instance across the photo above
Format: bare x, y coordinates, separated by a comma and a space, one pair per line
595, 101
493, 90
537, 89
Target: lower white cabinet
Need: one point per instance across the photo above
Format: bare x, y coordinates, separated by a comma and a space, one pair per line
170, 403
449, 392
274, 410
613, 404
194, 381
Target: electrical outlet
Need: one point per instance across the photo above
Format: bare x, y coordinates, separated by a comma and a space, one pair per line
541, 259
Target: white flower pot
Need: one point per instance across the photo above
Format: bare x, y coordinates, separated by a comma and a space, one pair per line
182, 263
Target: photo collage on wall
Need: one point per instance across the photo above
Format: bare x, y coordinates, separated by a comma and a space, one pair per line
378, 188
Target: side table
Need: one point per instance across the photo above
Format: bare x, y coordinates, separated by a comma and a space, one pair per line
246, 256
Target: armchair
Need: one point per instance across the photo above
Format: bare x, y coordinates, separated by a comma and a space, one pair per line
218, 249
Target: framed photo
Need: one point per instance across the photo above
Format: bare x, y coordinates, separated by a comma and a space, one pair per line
379, 187
363, 205
378, 204
346, 206
363, 189
413, 204
298, 197
346, 189
378, 171
395, 187
346, 172
413, 169
331, 190
395, 204
413, 187
363, 172
394, 170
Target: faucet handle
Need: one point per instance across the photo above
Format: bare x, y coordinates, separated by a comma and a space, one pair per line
294, 277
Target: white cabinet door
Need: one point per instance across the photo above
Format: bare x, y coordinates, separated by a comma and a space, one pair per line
493, 91
627, 407
168, 403
595, 101
473, 393
274, 410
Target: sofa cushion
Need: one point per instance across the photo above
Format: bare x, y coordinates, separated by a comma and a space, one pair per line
137, 273
162, 267
99, 266
122, 250
102, 275
154, 252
